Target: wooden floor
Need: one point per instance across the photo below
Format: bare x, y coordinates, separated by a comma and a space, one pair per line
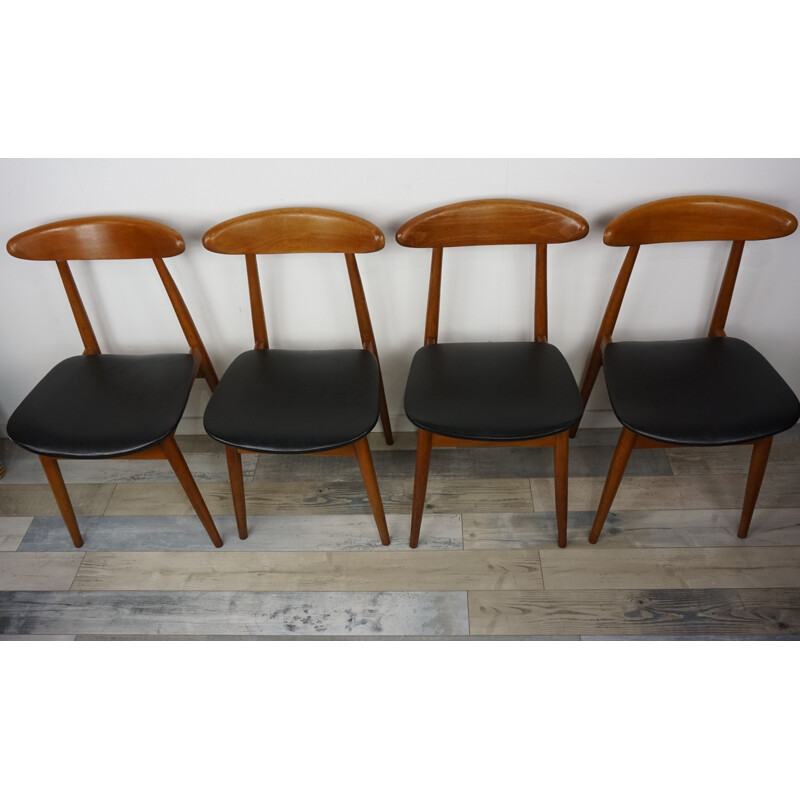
668, 564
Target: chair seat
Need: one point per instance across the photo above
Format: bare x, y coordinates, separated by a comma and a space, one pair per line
104, 406
710, 391
492, 391
295, 401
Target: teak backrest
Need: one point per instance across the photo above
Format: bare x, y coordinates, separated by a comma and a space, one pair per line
699, 218
111, 238
298, 230
491, 222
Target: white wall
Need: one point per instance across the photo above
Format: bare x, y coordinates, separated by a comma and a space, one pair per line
487, 293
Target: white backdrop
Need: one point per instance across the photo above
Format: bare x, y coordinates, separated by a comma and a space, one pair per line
487, 292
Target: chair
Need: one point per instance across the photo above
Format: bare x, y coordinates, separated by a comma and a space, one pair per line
95, 406
691, 392
299, 401
491, 394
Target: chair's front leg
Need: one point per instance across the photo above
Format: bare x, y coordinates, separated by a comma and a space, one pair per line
615, 472
561, 473
424, 442
371, 484
178, 464
56, 481
758, 464
237, 489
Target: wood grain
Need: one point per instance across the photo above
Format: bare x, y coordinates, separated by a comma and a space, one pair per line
35, 571
696, 613
22, 500
784, 458
288, 572
672, 568
231, 613
12, 531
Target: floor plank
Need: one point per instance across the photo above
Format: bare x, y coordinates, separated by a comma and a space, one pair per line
701, 491
12, 531
694, 613
36, 500
443, 570
784, 457
38, 571
272, 533
651, 528
672, 568
26, 468
234, 613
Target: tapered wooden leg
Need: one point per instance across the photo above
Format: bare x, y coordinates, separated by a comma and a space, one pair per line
424, 440
615, 473
178, 464
56, 481
387, 426
561, 472
758, 463
237, 489
371, 484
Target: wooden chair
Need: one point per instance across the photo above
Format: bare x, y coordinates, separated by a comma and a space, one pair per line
691, 392
491, 394
97, 406
299, 401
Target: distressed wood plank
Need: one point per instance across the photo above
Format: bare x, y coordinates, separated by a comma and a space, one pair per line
471, 496
701, 491
784, 457
32, 500
272, 533
22, 469
55, 638
672, 568
443, 570
234, 613
662, 612
12, 531
38, 571
651, 528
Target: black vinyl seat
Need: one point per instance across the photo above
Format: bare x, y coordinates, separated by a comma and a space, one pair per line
104, 406
696, 392
492, 391
295, 401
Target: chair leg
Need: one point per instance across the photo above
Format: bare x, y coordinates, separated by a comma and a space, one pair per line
237, 489
424, 441
561, 472
384, 409
178, 464
615, 472
56, 481
758, 463
371, 484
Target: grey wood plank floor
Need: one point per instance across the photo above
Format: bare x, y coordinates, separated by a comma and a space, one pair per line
668, 565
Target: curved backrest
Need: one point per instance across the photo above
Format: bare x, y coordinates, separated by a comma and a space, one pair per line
492, 222
101, 238
294, 230
700, 218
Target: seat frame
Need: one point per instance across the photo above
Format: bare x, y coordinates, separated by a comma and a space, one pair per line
682, 219
305, 230
490, 222
117, 238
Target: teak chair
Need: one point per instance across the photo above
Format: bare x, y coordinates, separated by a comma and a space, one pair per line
299, 401
691, 392
97, 406
490, 394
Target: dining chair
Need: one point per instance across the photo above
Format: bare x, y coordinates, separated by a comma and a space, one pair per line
710, 391
97, 406
301, 401
491, 394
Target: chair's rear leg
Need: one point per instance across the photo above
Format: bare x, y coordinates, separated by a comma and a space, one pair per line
237, 489
561, 472
615, 473
384, 411
178, 464
56, 481
758, 463
371, 484
424, 442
